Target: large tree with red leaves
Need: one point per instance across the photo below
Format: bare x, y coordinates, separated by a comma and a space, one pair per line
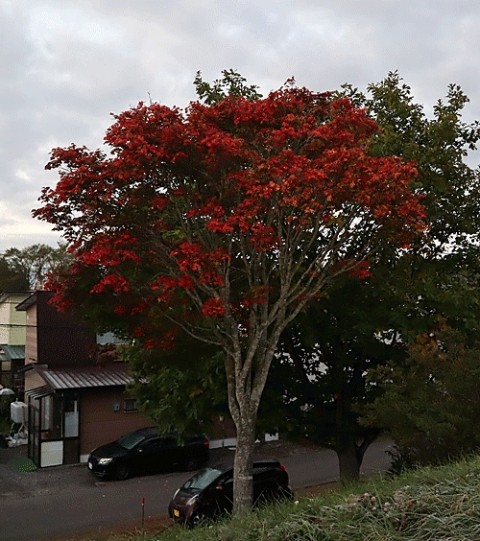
223, 221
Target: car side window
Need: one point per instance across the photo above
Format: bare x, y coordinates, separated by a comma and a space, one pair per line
226, 487
168, 442
226, 480
151, 444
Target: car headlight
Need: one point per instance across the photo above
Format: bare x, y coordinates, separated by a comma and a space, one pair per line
104, 461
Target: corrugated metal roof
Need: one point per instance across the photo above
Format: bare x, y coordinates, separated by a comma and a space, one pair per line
39, 392
82, 378
11, 353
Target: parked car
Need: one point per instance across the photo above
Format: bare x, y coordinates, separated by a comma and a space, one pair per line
148, 451
209, 493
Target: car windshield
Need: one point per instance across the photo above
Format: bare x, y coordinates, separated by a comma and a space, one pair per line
130, 441
202, 479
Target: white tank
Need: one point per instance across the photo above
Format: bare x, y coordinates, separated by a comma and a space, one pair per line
18, 412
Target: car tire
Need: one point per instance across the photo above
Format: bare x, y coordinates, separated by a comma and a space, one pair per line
198, 519
191, 464
121, 472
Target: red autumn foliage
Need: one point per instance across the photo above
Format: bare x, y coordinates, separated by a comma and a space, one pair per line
213, 308
220, 201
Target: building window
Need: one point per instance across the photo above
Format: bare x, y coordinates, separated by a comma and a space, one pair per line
71, 419
130, 405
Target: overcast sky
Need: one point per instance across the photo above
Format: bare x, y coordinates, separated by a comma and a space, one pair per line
65, 65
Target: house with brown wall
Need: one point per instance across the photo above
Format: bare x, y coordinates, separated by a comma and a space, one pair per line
73, 403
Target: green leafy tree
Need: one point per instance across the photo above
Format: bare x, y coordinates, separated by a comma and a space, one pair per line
23, 269
364, 324
319, 381
430, 402
10, 279
170, 392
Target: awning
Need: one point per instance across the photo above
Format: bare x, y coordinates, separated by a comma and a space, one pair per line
85, 377
39, 392
11, 353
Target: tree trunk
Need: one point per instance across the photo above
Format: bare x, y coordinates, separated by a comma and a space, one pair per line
349, 455
243, 486
246, 377
350, 458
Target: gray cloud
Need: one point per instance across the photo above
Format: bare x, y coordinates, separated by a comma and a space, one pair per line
65, 66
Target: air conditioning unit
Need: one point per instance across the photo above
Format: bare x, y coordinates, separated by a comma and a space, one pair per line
18, 412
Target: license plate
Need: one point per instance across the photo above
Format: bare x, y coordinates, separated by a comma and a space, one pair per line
176, 513
90, 466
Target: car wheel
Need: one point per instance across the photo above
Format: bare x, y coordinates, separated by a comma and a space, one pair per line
191, 464
121, 472
198, 519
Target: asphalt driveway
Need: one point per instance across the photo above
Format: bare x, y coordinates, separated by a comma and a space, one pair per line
87, 505
19, 478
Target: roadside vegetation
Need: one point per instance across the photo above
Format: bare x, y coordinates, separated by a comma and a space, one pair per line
423, 504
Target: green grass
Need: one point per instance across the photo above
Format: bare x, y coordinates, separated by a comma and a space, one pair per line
434, 504
23, 465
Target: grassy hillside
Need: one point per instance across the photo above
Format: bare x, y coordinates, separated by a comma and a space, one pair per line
435, 504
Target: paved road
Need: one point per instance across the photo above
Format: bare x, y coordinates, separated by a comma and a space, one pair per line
67, 499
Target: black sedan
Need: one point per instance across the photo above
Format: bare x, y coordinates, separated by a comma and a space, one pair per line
148, 451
